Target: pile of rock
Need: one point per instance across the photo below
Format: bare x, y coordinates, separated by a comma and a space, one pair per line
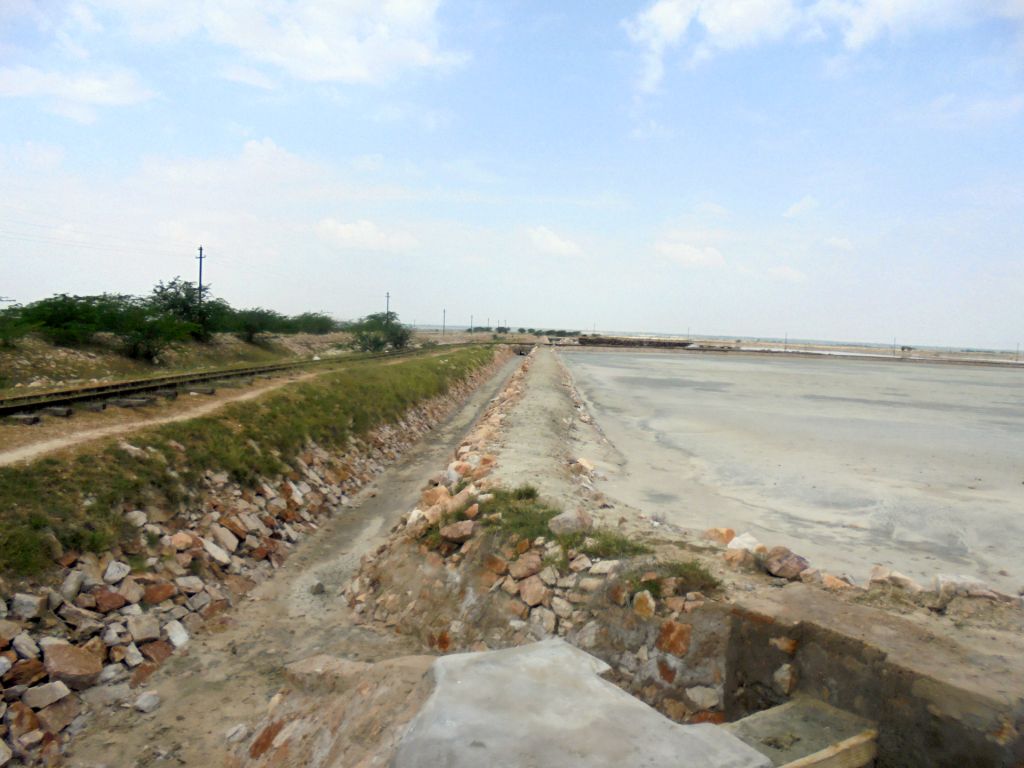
115, 618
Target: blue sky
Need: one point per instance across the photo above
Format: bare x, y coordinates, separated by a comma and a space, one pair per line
847, 169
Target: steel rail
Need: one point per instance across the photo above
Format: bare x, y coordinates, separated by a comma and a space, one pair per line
24, 404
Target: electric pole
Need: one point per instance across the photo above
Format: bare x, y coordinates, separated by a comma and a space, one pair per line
444, 319
200, 259
470, 323
387, 307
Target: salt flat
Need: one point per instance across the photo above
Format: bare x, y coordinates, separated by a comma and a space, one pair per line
849, 462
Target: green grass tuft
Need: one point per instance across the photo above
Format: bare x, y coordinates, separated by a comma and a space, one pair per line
81, 498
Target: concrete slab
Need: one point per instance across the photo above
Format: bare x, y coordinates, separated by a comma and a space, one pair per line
545, 705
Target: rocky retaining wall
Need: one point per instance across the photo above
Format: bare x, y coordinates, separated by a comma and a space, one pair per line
118, 616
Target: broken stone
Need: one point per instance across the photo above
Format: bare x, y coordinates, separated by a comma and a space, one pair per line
532, 591
181, 541
674, 638
782, 562
58, 716
70, 664
720, 535
25, 646
147, 702
571, 521
131, 590
526, 565
643, 604
108, 600
215, 552
116, 571
155, 594
143, 628
27, 607
740, 559
72, 585
704, 696
543, 620
458, 532
785, 679
224, 537
604, 567
237, 733
176, 634
133, 656
137, 518
189, 584
44, 695
580, 563
745, 541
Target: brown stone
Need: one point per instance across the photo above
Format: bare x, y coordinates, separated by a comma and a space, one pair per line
488, 579
157, 593
785, 644
435, 495
77, 667
518, 608
20, 719
532, 591
142, 673
526, 565
182, 541
25, 672
674, 709
458, 532
107, 600
522, 546
675, 603
740, 559
56, 717
783, 563
708, 716
8, 631
158, 652
828, 581
472, 511
644, 604
720, 535
618, 593
666, 671
495, 564
674, 638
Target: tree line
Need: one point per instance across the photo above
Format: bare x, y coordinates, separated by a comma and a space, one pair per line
176, 311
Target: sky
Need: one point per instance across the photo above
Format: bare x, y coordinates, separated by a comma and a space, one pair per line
829, 169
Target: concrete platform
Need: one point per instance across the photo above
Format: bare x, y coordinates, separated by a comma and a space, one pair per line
546, 705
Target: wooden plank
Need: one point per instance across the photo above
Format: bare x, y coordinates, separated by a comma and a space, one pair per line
855, 752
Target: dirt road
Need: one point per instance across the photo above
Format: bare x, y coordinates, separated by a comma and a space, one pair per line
230, 671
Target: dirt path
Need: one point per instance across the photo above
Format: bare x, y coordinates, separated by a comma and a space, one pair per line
21, 443
230, 671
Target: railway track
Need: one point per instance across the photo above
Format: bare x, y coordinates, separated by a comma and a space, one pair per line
30, 404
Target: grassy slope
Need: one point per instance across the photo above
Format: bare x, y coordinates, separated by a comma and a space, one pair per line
79, 499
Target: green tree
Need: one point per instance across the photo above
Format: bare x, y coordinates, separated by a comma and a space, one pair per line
377, 332
12, 326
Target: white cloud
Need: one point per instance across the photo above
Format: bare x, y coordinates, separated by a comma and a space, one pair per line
706, 27
351, 41
723, 25
803, 205
73, 95
238, 73
547, 241
689, 254
363, 235
709, 208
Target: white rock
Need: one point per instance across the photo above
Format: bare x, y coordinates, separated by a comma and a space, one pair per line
133, 656
112, 673
704, 696
136, 517
5, 665
116, 571
147, 702
72, 585
144, 628
25, 646
189, 584
176, 633
744, 541
237, 733
604, 567
215, 552
25, 606
224, 537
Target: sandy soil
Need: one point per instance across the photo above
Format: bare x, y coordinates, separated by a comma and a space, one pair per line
229, 673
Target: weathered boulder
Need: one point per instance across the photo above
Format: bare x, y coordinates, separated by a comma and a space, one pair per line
785, 564
25, 606
70, 664
116, 571
525, 565
571, 521
144, 627
44, 695
532, 591
458, 532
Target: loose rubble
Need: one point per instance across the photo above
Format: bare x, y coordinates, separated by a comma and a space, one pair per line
115, 618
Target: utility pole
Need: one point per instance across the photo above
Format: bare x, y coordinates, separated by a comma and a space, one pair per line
470, 323
200, 259
1017, 359
444, 320
785, 344
387, 306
